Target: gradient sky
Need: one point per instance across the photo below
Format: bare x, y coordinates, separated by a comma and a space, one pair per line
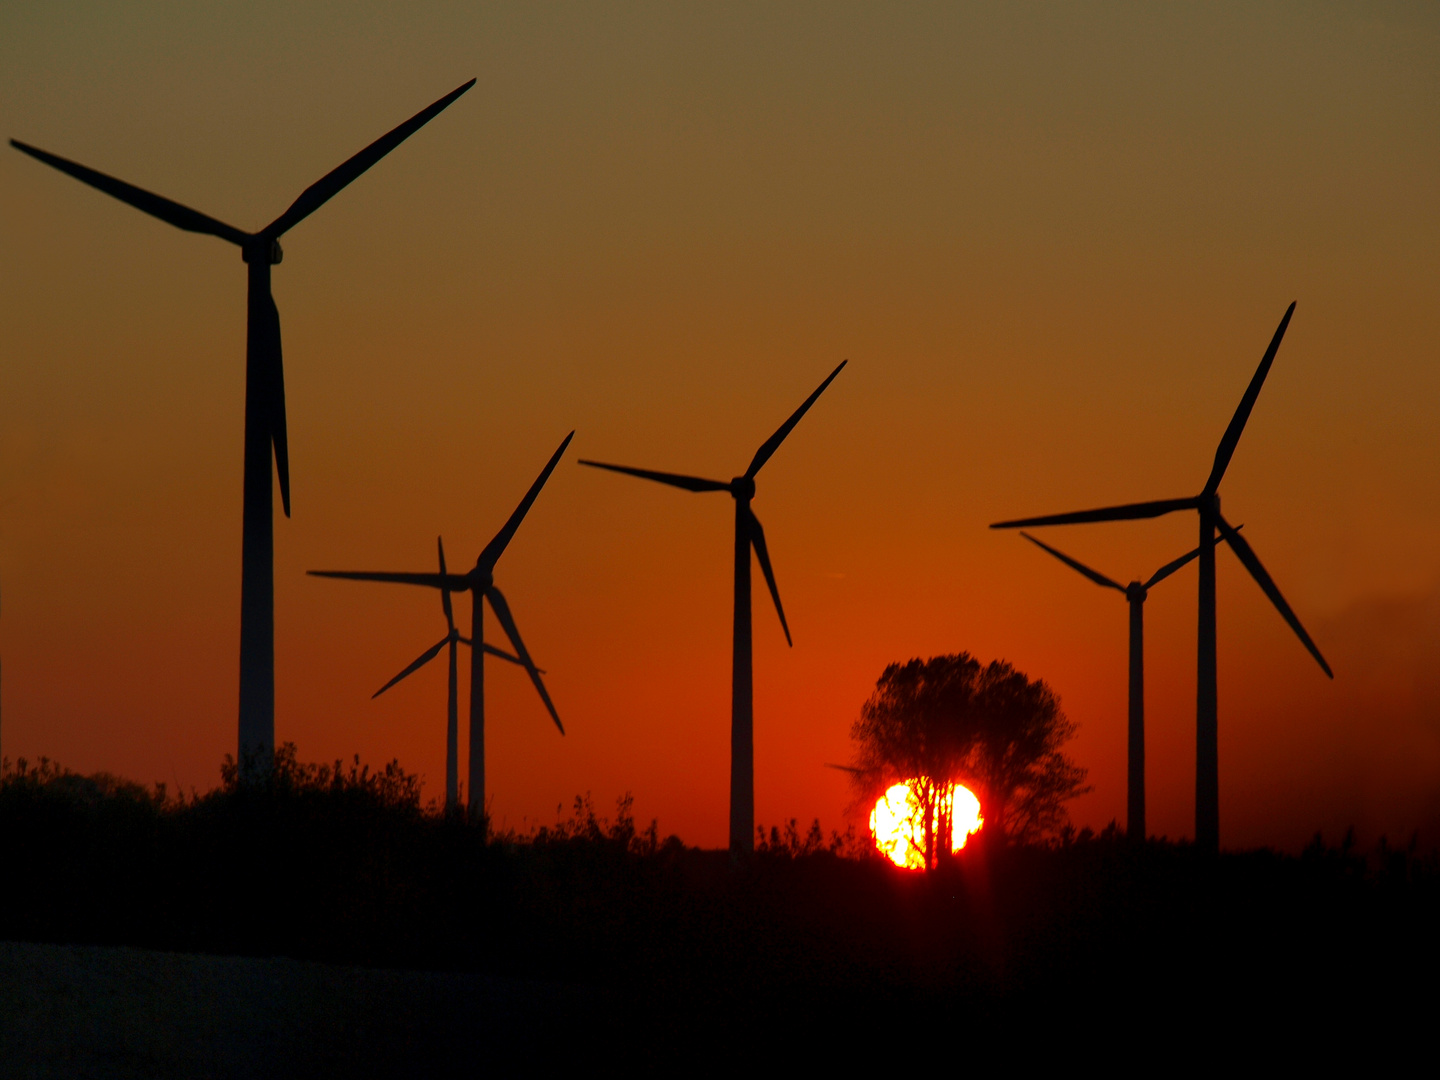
1053, 242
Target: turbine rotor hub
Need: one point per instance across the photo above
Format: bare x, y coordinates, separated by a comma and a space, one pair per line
270, 252
743, 487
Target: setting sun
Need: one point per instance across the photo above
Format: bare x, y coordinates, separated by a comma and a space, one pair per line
898, 822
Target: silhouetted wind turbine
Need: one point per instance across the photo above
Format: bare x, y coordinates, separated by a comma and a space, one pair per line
264, 402
454, 640
748, 534
1207, 503
480, 584
1135, 593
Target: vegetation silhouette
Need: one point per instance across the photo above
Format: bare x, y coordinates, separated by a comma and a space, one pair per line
951, 720
344, 864
786, 842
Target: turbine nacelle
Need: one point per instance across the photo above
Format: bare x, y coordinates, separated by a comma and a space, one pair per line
741, 489
268, 250
480, 583
265, 418
1207, 504
1135, 591
749, 536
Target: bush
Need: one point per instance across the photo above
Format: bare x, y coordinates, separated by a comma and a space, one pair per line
341, 863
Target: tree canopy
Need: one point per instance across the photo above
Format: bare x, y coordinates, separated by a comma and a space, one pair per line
951, 719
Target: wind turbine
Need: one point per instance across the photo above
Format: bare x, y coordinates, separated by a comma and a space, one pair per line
1207, 504
454, 640
1135, 593
480, 584
264, 402
748, 534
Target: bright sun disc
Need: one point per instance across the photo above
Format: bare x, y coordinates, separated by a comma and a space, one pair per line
898, 824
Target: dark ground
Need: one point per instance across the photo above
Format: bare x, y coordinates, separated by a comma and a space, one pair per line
101, 1010
322, 924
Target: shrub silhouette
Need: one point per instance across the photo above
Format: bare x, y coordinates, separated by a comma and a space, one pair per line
341, 863
789, 844
289, 778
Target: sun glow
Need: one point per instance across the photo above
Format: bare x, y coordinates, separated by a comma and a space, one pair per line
898, 823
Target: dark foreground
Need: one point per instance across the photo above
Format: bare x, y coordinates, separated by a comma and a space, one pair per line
323, 923
101, 1010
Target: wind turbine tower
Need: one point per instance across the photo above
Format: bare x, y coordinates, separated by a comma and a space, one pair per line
1207, 505
748, 535
1136, 593
454, 639
480, 584
264, 402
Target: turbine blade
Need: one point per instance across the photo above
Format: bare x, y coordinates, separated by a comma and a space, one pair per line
1128, 512
1251, 561
1075, 564
452, 582
503, 655
493, 550
493, 651
445, 604
330, 185
507, 621
419, 662
689, 483
757, 539
770, 445
182, 217
274, 379
1170, 567
1231, 438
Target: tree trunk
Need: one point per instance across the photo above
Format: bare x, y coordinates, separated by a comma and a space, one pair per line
927, 809
945, 824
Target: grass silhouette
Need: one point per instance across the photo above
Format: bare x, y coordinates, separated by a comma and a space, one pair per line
341, 864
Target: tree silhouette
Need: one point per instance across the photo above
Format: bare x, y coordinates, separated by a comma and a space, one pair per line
949, 720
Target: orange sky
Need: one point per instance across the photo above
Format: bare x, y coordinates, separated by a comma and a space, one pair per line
1052, 243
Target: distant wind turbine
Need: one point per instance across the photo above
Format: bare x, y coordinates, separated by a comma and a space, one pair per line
454, 640
748, 534
1135, 592
480, 584
1207, 503
264, 402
